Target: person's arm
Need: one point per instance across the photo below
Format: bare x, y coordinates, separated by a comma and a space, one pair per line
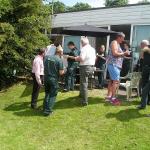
115, 52
101, 57
127, 57
71, 57
82, 56
75, 54
37, 66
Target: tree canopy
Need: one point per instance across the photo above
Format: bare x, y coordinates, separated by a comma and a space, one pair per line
22, 25
79, 6
60, 7
144, 2
114, 3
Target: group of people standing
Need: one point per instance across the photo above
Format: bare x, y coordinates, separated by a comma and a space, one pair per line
48, 66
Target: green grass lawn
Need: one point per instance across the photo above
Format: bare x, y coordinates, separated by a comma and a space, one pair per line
99, 126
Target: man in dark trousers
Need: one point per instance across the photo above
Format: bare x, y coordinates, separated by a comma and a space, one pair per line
37, 75
53, 67
72, 66
145, 74
100, 64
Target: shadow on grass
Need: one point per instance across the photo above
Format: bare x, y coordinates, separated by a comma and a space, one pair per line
126, 115
17, 106
29, 113
74, 102
23, 109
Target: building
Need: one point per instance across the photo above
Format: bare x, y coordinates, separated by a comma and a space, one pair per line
133, 20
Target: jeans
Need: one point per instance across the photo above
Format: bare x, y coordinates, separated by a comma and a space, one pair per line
70, 79
101, 76
51, 91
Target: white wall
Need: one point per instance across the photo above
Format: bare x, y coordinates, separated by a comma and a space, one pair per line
139, 14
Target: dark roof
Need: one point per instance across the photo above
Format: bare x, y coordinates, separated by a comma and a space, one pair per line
84, 30
107, 7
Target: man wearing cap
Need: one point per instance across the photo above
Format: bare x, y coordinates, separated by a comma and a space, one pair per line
145, 56
37, 75
114, 64
53, 67
87, 61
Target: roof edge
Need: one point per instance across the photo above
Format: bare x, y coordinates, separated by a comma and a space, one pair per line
129, 5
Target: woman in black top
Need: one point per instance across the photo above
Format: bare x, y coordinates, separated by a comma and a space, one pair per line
127, 60
100, 64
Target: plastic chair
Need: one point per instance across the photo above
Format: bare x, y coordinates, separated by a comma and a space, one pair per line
133, 80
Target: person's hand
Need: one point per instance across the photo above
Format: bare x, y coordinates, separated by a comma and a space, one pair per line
127, 53
40, 84
77, 58
66, 56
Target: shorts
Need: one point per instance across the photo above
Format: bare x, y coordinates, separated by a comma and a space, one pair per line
114, 72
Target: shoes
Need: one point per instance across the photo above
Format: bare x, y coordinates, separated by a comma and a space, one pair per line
48, 114
101, 87
84, 104
33, 106
66, 90
107, 99
140, 107
148, 103
116, 102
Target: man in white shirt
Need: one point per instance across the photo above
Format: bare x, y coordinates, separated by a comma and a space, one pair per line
51, 49
37, 75
87, 61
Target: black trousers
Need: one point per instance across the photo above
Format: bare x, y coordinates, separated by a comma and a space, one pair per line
145, 85
101, 75
36, 90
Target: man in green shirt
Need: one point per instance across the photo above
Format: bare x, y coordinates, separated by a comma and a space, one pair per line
53, 68
72, 66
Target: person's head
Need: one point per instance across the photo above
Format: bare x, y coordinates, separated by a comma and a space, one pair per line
56, 43
41, 52
59, 50
144, 44
84, 41
120, 37
102, 48
71, 45
126, 45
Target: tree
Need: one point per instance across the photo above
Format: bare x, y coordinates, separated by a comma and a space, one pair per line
114, 3
58, 7
79, 7
144, 2
22, 25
